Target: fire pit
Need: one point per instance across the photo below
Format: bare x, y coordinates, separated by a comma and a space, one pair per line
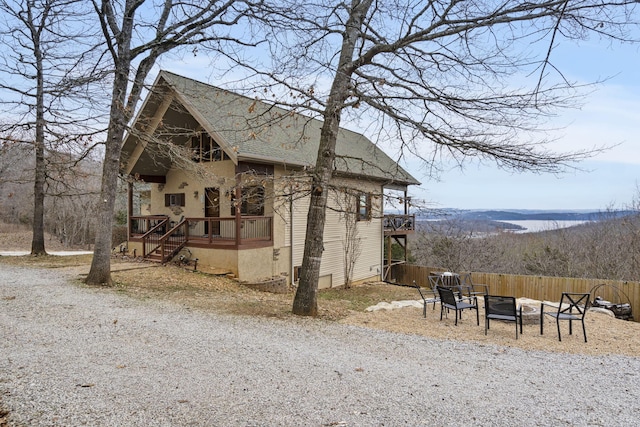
621, 311
530, 314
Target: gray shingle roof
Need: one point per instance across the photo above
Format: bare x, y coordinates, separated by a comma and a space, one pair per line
256, 131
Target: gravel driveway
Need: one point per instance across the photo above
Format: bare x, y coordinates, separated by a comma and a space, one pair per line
71, 356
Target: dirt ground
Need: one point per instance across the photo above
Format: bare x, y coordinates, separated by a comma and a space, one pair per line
15, 237
606, 335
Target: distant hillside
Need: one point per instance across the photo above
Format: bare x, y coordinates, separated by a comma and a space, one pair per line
466, 226
604, 248
497, 215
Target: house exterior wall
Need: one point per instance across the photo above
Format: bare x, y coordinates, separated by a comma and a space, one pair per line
289, 227
332, 271
222, 259
222, 176
369, 234
256, 264
246, 264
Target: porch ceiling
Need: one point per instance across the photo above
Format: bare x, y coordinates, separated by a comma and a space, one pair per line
174, 129
151, 165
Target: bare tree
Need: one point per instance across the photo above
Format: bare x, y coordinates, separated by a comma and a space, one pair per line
42, 55
347, 203
137, 33
450, 78
16, 199
604, 247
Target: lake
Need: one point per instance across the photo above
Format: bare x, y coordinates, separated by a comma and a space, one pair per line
534, 225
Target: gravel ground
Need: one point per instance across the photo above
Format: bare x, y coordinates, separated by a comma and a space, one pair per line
74, 356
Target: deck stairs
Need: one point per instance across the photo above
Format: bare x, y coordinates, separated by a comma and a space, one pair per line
162, 248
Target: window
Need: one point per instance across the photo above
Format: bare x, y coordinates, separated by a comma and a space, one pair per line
364, 207
174, 199
205, 149
252, 201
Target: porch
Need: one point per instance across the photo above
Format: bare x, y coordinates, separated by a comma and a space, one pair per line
162, 238
396, 228
395, 225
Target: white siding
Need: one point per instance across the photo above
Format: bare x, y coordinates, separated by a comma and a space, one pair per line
333, 259
368, 263
300, 210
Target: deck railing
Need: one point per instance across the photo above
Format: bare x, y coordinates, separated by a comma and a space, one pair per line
140, 225
165, 245
399, 223
208, 230
155, 229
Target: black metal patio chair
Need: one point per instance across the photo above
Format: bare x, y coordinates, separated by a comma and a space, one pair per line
454, 282
429, 296
468, 288
573, 306
501, 308
448, 301
434, 282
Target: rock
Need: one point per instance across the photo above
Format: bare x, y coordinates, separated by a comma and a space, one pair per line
393, 305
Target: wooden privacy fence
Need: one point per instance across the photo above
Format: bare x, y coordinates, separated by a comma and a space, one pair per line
543, 288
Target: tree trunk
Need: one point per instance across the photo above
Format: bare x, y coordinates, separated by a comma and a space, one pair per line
100, 272
305, 302
37, 241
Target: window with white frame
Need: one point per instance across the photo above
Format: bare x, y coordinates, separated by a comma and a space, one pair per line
364, 207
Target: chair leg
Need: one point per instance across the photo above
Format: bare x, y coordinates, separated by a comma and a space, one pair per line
558, 323
486, 325
570, 327
521, 324
584, 331
519, 317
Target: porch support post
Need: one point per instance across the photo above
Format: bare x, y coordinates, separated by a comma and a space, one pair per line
406, 213
389, 260
129, 207
238, 203
406, 203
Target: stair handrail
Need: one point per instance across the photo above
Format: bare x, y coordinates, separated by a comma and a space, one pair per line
179, 238
146, 237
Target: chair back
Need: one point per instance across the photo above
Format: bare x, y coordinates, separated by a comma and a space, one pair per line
465, 279
434, 281
575, 304
499, 305
465, 284
447, 297
450, 280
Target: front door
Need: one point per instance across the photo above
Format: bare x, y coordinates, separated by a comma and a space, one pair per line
212, 210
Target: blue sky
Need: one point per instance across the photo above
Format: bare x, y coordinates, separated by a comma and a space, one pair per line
609, 116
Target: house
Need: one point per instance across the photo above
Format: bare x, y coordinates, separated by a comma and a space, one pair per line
229, 181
